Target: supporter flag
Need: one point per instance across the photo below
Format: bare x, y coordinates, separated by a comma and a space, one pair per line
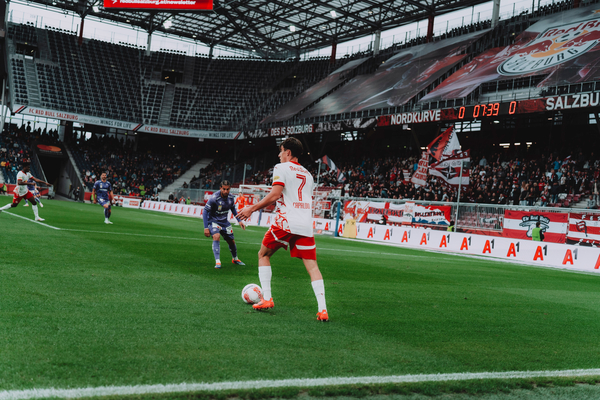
520, 224
448, 170
584, 229
341, 177
444, 145
329, 162
420, 175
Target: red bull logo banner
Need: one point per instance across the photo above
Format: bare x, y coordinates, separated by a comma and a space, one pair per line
564, 47
552, 47
584, 229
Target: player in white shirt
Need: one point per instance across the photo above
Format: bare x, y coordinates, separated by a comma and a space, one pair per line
22, 192
292, 190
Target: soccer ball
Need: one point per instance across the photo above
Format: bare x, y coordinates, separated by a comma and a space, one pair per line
252, 293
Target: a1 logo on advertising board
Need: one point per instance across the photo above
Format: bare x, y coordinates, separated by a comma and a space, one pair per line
552, 47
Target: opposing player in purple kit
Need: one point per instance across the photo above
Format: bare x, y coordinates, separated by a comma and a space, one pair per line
32, 187
102, 194
22, 191
216, 222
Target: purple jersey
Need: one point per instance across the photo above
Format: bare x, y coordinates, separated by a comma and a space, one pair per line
217, 209
31, 187
102, 189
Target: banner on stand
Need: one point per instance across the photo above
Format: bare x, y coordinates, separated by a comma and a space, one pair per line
408, 213
584, 229
520, 224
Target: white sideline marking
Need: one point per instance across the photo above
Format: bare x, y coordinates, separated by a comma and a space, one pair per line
245, 385
33, 220
141, 234
237, 241
132, 234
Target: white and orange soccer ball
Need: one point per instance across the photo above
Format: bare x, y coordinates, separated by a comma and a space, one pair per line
252, 293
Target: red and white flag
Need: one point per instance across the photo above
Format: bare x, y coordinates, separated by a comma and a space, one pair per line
329, 162
420, 175
449, 170
584, 229
444, 145
520, 224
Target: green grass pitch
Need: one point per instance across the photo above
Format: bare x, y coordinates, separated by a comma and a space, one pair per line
139, 302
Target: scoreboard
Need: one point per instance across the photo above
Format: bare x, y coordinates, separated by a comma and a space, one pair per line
481, 111
476, 111
487, 110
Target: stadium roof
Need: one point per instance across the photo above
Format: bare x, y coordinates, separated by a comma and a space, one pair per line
265, 26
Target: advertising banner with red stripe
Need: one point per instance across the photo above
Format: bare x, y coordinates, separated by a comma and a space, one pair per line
520, 224
128, 201
584, 229
408, 213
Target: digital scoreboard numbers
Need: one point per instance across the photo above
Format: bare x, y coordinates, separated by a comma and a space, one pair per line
172, 5
485, 110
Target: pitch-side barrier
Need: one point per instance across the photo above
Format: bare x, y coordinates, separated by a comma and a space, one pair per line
572, 257
580, 258
257, 218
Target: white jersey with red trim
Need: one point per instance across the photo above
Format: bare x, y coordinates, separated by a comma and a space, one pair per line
22, 190
294, 208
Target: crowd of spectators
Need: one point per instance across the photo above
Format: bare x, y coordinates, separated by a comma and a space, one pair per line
132, 172
15, 145
210, 177
540, 181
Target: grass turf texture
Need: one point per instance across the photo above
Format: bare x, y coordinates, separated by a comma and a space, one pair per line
139, 302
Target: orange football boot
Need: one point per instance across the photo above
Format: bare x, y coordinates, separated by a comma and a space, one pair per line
263, 304
322, 316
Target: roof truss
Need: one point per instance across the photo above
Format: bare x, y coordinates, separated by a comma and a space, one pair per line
263, 26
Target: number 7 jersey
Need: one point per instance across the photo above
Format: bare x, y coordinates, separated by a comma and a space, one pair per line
294, 207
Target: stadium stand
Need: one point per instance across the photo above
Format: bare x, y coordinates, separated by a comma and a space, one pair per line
163, 88
144, 172
15, 148
49, 69
544, 180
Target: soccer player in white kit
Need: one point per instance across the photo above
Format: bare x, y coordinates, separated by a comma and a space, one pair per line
22, 192
292, 190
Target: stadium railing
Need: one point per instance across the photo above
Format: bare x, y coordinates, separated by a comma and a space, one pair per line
484, 217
